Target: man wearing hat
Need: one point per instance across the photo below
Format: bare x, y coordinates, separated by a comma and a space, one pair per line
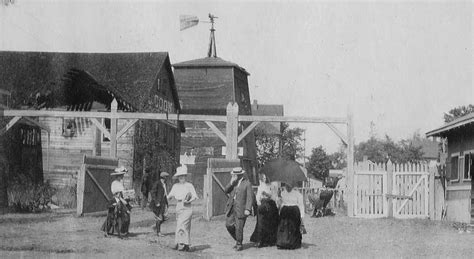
239, 205
159, 201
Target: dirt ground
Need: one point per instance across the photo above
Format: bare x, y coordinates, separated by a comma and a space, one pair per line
61, 234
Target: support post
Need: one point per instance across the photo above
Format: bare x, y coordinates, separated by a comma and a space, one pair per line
431, 194
232, 131
389, 190
350, 164
113, 129
97, 135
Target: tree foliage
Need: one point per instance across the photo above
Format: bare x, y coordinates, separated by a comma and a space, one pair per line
381, 150
287, 146
458, 112
319, 163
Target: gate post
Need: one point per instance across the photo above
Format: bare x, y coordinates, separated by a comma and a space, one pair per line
350, 164
113, 129
232, 131
431, 183
389, 189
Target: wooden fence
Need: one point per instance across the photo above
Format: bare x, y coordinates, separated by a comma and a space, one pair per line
398, 190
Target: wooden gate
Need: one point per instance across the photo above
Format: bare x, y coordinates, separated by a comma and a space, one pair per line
411, 190
370, 188
386, 190
217, 177
93, 185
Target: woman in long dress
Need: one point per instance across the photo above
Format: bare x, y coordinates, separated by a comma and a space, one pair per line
267, 214
118, 216
184, 193
291, 215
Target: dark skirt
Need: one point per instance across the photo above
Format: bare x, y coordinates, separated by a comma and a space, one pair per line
118, 220
267, 224
289, 234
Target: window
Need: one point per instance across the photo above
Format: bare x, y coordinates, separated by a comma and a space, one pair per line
454, 168
467, 166
106, 124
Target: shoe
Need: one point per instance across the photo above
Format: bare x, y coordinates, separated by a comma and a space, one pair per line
176, 247
239, 248
186, 248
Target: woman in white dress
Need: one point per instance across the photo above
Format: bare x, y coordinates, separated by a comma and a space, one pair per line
184, 193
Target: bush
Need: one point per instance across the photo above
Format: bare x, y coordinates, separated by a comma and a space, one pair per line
26, 196
65, 197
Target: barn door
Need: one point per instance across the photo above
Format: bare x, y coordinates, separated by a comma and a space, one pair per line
93, 186
217, 177
411, 188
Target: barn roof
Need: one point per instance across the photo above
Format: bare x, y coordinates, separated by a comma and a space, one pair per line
269, 128
128, 77
455, 124
208, 62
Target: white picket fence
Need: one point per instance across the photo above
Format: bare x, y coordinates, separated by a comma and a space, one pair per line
398, 190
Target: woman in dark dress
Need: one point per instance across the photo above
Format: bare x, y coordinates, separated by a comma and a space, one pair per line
291, 214
267, 214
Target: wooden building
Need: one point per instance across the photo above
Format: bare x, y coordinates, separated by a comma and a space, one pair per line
206, 86
140, 82
459, 167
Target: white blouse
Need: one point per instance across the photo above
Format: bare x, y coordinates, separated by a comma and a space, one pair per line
117, 186
269, 189
293, 198
180, 190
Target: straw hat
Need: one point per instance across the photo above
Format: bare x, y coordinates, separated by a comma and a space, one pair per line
164, 174
237, 171
120, 171
182, 170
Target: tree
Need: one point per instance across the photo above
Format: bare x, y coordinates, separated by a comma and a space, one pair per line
287, 146
319, 163
381, 150
458, 112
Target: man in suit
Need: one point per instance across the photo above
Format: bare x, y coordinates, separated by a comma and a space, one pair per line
159, 201
239, 205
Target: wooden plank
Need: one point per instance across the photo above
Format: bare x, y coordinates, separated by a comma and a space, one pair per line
101, 127
431, 193
247, 130
97, 183
336, 120
10, 124
80, 191
350, 162
126, 127
232, 131
219, 183
214, 129
113, 130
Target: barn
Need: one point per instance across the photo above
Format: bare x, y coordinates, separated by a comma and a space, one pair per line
459, 167
206, 86
139, 82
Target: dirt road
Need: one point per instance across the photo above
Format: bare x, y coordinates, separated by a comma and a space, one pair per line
61, 235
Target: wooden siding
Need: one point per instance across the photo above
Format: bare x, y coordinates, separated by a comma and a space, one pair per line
63, 159
458, 205
204, 88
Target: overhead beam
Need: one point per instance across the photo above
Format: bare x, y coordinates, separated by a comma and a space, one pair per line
126, 128
337, 120
164, 116
216, 130
247, 130
101, 127
338, 133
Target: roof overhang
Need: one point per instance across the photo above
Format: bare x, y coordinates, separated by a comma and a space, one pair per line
465, 120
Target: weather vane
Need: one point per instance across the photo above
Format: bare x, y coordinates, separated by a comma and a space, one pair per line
188, 21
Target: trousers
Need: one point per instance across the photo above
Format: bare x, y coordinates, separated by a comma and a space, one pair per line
235, 226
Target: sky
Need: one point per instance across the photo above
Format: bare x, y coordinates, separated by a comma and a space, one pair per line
398, 65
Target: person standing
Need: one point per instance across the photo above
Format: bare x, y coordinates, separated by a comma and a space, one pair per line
291, 216
184, 193
267, 214
239, 205
159, 201
118, 216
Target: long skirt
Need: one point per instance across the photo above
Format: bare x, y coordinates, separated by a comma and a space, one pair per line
289, 233
266, 228
118, 220
184, 213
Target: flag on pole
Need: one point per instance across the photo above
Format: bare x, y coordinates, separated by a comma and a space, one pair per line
187, 21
